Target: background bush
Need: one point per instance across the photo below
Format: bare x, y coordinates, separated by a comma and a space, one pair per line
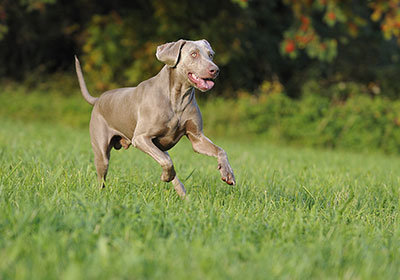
256, 41
316, 73
359, 122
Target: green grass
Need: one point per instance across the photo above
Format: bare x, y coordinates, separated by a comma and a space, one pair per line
294, 214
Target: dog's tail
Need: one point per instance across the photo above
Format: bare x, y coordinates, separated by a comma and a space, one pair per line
85, 93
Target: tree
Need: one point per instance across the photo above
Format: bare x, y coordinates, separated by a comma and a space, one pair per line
291, 41
347, 17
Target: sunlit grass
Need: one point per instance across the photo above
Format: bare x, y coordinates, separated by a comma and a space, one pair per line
294, 214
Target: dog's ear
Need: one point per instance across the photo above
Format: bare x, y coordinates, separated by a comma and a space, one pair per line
206, 43
169, 53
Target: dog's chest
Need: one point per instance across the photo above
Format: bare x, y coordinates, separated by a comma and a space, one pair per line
173, 130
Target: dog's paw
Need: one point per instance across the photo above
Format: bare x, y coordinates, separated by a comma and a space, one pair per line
178, 186
226, 173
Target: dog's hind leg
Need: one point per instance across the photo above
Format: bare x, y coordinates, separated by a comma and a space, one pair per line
101, 144
101, 160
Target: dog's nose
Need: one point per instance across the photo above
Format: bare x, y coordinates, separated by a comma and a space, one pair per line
214, 71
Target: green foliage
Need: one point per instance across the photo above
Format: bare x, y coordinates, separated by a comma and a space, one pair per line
3, 30
117, 40
121, 48
18, 103
351, 120
306, 34
295, 213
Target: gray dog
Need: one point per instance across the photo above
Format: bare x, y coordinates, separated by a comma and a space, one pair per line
155, 115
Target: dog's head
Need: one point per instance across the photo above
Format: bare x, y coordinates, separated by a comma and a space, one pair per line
192, 59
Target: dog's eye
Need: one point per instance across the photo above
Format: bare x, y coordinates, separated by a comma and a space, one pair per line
211, 56
194, 54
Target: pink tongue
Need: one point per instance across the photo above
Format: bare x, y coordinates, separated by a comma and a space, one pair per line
205, 84
210, 84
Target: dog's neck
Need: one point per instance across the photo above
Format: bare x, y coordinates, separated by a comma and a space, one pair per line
180, 93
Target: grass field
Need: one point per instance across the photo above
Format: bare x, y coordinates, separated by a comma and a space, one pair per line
294, 214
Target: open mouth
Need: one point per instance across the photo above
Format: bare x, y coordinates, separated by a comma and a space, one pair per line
202, 84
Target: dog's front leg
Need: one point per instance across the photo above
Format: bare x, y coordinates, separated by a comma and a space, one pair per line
145, 144
178, 186
202, 145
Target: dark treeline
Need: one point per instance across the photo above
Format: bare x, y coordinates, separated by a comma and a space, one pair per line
255, 41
